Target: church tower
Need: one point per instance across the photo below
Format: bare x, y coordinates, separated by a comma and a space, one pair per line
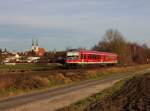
38, 50
33, 45
36, 46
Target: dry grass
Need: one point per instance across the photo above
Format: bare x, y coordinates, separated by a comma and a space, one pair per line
12, 84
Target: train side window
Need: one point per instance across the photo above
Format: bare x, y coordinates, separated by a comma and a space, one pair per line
109, 57
81, 56
106, 58
95, 57
92, 56
99, 57
88, 56
103, 58
84, 56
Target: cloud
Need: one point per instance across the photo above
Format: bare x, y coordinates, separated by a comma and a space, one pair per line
72, 22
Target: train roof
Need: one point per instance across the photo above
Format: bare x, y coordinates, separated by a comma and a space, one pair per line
99, 53
94, 52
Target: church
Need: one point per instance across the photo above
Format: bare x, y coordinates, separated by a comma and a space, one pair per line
38, 50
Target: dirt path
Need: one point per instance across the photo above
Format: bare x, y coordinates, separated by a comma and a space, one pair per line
59, 97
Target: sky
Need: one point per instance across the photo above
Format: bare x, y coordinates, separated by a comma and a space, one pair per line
58, 24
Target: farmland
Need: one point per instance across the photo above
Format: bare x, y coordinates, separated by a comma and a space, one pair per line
130, 94
134, 95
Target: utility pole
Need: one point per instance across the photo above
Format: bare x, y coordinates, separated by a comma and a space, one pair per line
0, 56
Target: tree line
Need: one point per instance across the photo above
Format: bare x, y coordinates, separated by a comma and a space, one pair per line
128, 52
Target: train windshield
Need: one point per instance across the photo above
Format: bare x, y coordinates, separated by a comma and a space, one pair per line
72, 55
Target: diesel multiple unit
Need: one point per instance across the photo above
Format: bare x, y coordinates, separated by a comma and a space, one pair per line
91, 57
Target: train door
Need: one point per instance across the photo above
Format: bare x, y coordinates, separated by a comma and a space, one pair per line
83, 58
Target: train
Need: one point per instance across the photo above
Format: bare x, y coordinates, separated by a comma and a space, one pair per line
85, 57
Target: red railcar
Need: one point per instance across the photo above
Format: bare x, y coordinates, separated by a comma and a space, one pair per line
91, 57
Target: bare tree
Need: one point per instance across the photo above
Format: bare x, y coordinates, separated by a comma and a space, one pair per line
113, 41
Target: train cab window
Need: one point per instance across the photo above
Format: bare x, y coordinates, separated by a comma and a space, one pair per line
72, 57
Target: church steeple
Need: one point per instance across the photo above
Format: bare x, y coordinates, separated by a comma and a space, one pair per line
36, 42
36, 45
32, 42
33, 45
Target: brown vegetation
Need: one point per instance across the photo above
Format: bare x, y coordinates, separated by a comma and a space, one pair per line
12, 82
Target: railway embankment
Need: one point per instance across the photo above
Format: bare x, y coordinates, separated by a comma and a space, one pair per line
18, 83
